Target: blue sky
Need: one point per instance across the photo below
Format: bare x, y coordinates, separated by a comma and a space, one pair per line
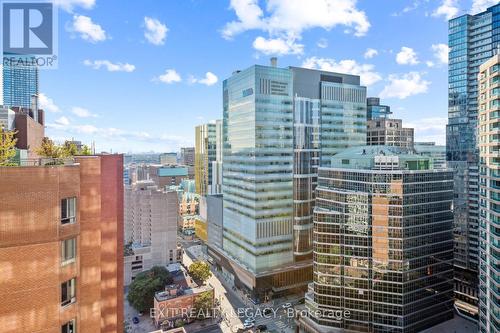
138, 76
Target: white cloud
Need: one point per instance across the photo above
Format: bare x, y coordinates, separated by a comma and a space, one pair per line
481, 5
370, 53
409, 8
285, 20
366, 71
170, 76
82, 113
407, 56
69, 5
277, 46
209, 80
156, 32
403, 86
62, 121
47, 104
322, 43
430, 63
441, 52
87, 29
111, 67
429, 129
448, 9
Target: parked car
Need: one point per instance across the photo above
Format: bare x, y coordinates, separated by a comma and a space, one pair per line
267, 311
135, 320
286, 305
262, 328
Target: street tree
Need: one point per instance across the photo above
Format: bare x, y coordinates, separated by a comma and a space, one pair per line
200, 271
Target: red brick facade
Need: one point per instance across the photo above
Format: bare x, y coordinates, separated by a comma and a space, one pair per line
30, 246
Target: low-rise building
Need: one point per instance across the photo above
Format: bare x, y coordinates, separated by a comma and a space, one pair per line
178, 303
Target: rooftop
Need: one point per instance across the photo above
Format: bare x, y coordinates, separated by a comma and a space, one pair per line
174, 291
381, 157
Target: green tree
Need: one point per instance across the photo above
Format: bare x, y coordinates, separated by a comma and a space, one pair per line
200, 271
203, 304
142, 290
69, 149
85, 151
48, 149
7, 147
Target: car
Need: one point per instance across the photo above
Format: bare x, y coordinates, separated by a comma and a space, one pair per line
250, 320
262, 328
286, 305
267, 311
248, 325
135, 320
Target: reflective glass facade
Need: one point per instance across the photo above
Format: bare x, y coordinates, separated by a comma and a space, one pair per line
20, 83
279, 125
258, 167
375, 110
204, 155
383, 244
472, 40
489, 217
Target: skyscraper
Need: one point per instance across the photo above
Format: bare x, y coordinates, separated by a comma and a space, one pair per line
20, 85
383, 244
204, 155
216, 185
472, 39
62, 234
489, 214
273, 121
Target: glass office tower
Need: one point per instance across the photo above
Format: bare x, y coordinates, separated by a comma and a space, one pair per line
20, 85
489, 217
383, 244
204, 155
472, 39
280, 124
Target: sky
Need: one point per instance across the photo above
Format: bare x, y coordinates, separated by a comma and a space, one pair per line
139, 75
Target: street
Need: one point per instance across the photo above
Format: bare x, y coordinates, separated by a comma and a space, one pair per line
234, 302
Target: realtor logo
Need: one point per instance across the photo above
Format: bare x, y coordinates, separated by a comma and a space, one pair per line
29, 32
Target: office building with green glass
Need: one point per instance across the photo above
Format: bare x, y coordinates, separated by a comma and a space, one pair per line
279, 126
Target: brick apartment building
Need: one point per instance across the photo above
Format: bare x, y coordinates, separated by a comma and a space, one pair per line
61, 243
176, 303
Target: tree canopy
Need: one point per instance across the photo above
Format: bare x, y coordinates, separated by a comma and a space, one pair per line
142, 290
200, 271
49, 149
7, 146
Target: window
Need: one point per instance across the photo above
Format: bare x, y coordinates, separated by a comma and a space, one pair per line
68, 251
68, 292
68, 210
69, 327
